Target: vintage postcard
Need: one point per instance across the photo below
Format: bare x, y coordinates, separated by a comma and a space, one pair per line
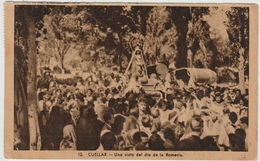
131, 81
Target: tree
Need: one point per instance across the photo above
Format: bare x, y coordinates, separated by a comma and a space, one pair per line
200, 42
181, 17
114, 21
64, 30
27, 25
203, 44
35, 137
238, 32
160, 35
25, 39
20, 74
222, 45
139, 15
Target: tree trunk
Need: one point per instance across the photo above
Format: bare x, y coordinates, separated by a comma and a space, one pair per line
215, 52
62, 65
190, 58
241, 74
181, 60
120, 52
35, 138
181, 17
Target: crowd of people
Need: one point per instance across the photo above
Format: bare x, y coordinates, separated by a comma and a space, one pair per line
97, 115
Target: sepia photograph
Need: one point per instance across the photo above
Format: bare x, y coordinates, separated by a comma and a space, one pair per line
131, 81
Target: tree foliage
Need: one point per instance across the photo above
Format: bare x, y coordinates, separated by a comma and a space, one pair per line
62, 31
101, 35
238, 33
161, 36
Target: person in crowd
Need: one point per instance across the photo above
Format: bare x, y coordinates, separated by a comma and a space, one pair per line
93, 130
121, 143
141, 140
193, 131
109, 141
243, 134
54, 129
100, 106
232, 124
47, 102
179, 131
40, 102
89, 96
225, 92
117, 129
69, 135
130, 127
238, 95
156, 143
237, 143
243, 108
164, 112
232, 95
169, 136
44, 117
170, 77
118, 125
146, 124
142, 106
217, 105
243, 124
218, 98
109, 120
227, 103
82, 128
132, 120
219, 128
236, 139
58, 93
121, 108
209, 144
156, 121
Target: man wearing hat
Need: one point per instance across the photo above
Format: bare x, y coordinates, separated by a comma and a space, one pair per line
193, 130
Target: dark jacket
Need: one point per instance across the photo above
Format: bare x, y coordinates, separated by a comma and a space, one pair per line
192, 143
88, 134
